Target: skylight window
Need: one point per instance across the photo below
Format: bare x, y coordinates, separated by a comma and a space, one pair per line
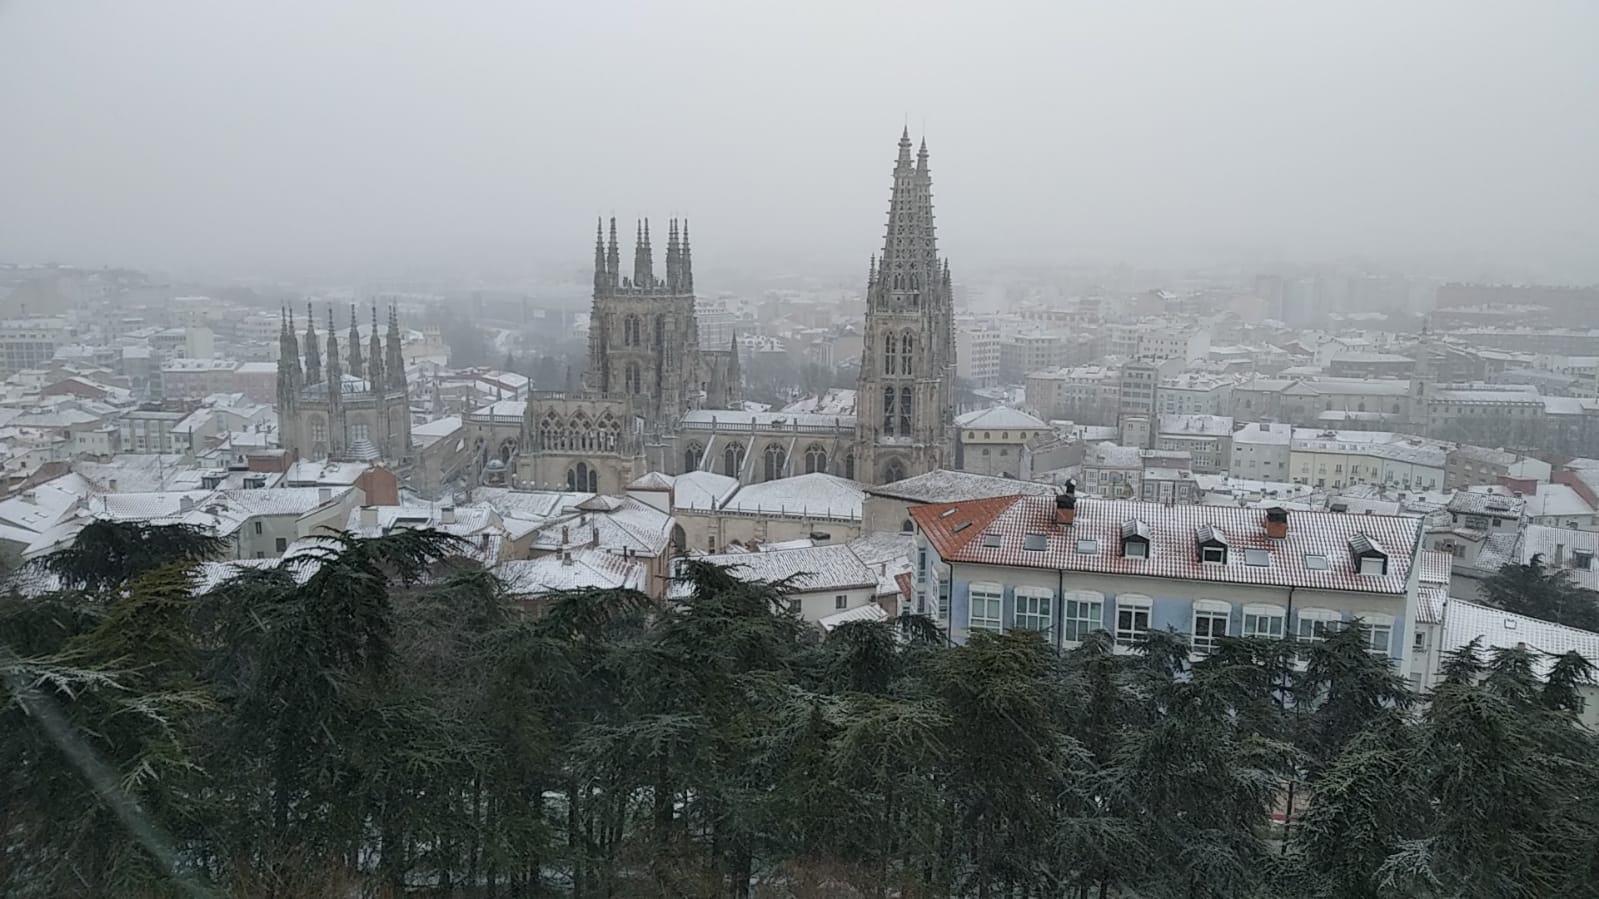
946, 513
1035, 542
1258, 558
960, 527
1316, 562
991, 541
1088, 547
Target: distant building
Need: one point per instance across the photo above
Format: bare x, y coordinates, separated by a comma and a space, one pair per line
995, 442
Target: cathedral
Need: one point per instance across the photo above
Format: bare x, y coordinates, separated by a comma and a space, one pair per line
654, 399
325, 412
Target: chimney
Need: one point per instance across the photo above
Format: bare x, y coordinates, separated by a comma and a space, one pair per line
566, 557
447, 515
112, 484
566, 535
594, 536
1066, 509
324, 495
185, 504
369, 516
1277, 522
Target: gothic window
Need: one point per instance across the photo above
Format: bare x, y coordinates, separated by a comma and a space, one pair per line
358, 431
893, 471
692, 457
319, 431
635, 380
905, 411
578, 436
775, 459
630, 331
888, 410
849, 466
907, 345
815, 459
582, 478
733, 459
660, 331
608, 434
890, 346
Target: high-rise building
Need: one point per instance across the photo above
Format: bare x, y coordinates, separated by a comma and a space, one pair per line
905, 402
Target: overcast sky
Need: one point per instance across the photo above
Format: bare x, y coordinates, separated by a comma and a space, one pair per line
356, 134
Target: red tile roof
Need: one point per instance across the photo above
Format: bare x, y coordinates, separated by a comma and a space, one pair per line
955, 531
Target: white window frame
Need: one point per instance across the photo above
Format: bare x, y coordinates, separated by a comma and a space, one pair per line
1132, 603
1380, 633
1082, 613
992, 597
841, 602
1313, 626
1268, 621
1209, 611
1034, 607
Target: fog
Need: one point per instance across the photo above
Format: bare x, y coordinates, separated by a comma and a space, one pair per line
363, 136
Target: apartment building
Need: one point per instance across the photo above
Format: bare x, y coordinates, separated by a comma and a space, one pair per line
1069, 565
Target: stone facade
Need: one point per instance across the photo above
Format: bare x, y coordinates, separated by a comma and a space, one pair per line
325, 412
905, 404
654, 399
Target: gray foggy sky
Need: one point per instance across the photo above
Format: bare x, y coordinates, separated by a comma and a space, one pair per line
277, 137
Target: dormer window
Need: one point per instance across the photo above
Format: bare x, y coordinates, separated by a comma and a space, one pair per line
1135, 539
1369, 557
1212, 544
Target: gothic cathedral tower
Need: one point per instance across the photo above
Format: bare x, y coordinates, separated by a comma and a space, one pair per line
644, 344
905, 404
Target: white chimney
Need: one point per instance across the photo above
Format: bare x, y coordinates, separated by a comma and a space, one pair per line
185, 504
113, 485
447, 515
369, 516
324, 495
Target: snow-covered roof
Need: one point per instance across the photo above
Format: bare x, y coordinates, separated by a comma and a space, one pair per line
1000, 418
325, 472
810, 495
944, 485
652, 480
579, 569
816, 569
869, 612
702, 491
1465, 621
1195, 426
1496, 501
726, 419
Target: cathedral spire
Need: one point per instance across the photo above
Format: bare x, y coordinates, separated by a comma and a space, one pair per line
394, 361
613, 257
313, 353
374, 353
357, 364
602, 277
643, 274
685, 262
290, 378
335, 372
871, 271
904, 160
672, 257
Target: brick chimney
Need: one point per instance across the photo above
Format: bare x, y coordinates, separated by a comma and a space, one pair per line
1276, 522
1066, 505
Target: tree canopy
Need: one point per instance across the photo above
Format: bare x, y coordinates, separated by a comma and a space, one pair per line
385, 720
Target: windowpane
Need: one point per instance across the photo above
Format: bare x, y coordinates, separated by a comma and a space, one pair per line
1132, 623
1209, 628
1082, 617
1263, 624
1032, 610
985, 609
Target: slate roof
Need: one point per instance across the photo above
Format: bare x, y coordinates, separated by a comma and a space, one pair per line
587, 568
943, 485
1465, 621
813, 569
955, 531
811, 494
1000, 418
1475, 502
